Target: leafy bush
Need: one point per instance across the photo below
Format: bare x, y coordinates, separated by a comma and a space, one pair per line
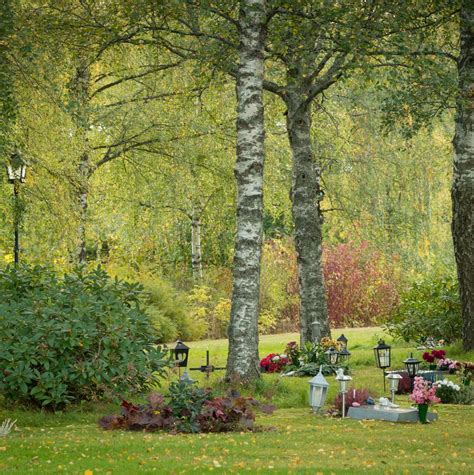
187, 408
358, 396
361, 288
447, 391
80, 337
465, 396
168, 309
430, 309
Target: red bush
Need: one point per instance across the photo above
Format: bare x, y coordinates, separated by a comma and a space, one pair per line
360, 286
353, 395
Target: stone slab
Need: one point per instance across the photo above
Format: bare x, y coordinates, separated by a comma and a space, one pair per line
393, 415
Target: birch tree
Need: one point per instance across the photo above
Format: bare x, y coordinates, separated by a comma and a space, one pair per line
463, 173
242, 361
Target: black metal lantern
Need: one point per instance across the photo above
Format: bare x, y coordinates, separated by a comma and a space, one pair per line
343, 341
16, 172
412, 365
332, 355
344, 355
181, 353
16, 168
382, 354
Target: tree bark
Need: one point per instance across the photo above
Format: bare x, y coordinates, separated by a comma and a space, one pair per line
196, 259
242, 361
306, 195
463, 174
80, 93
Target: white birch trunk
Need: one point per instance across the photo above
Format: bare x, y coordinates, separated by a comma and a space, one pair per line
242, 361
196, 259
80, 93
463, 174
305, 195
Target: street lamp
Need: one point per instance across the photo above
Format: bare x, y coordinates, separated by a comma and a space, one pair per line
394, 379
343, 341
412, 365
382, 354
16, 172
332, 355
343, 380
318, 388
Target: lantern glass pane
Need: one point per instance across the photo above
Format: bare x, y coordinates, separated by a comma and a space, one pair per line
343, 385
393, 384
180, 356
384, 358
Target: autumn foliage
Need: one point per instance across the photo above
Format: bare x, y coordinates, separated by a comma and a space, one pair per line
361, 287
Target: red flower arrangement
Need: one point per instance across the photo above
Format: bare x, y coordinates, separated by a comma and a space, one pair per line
274, 363
431, 356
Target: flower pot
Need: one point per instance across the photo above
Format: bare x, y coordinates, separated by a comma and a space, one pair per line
422, 413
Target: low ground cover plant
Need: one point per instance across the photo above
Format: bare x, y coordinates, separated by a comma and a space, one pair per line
188, 409
65, 339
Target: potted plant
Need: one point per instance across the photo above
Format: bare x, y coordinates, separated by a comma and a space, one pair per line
423, 394
431, 356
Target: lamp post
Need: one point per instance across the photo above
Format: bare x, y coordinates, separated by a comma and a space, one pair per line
394, 379
318, 388
412, 365
343, 380
343, 341
16, 172
181, 353
382, 354
332, 355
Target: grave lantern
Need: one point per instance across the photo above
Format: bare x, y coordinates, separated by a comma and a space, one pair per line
181, 353
412, 365
318, 388
343, 341
382, 354
332, 355
344, 355
394, 380
343, 380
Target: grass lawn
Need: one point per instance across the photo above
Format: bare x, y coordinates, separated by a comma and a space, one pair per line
300, 442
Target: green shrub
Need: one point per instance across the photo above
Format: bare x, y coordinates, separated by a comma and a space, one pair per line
80, 337
168, 309
430, 308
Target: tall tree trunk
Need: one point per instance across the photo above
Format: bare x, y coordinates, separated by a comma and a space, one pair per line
242, 361
84, 170
196, 259
463, 175
80, 95
306, 195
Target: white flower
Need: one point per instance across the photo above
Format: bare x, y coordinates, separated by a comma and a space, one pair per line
275, 359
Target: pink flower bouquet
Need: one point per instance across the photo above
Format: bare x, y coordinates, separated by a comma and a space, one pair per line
423, 392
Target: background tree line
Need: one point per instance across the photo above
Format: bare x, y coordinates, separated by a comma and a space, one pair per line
125, 112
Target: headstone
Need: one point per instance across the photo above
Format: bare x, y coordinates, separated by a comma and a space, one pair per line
387, 414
